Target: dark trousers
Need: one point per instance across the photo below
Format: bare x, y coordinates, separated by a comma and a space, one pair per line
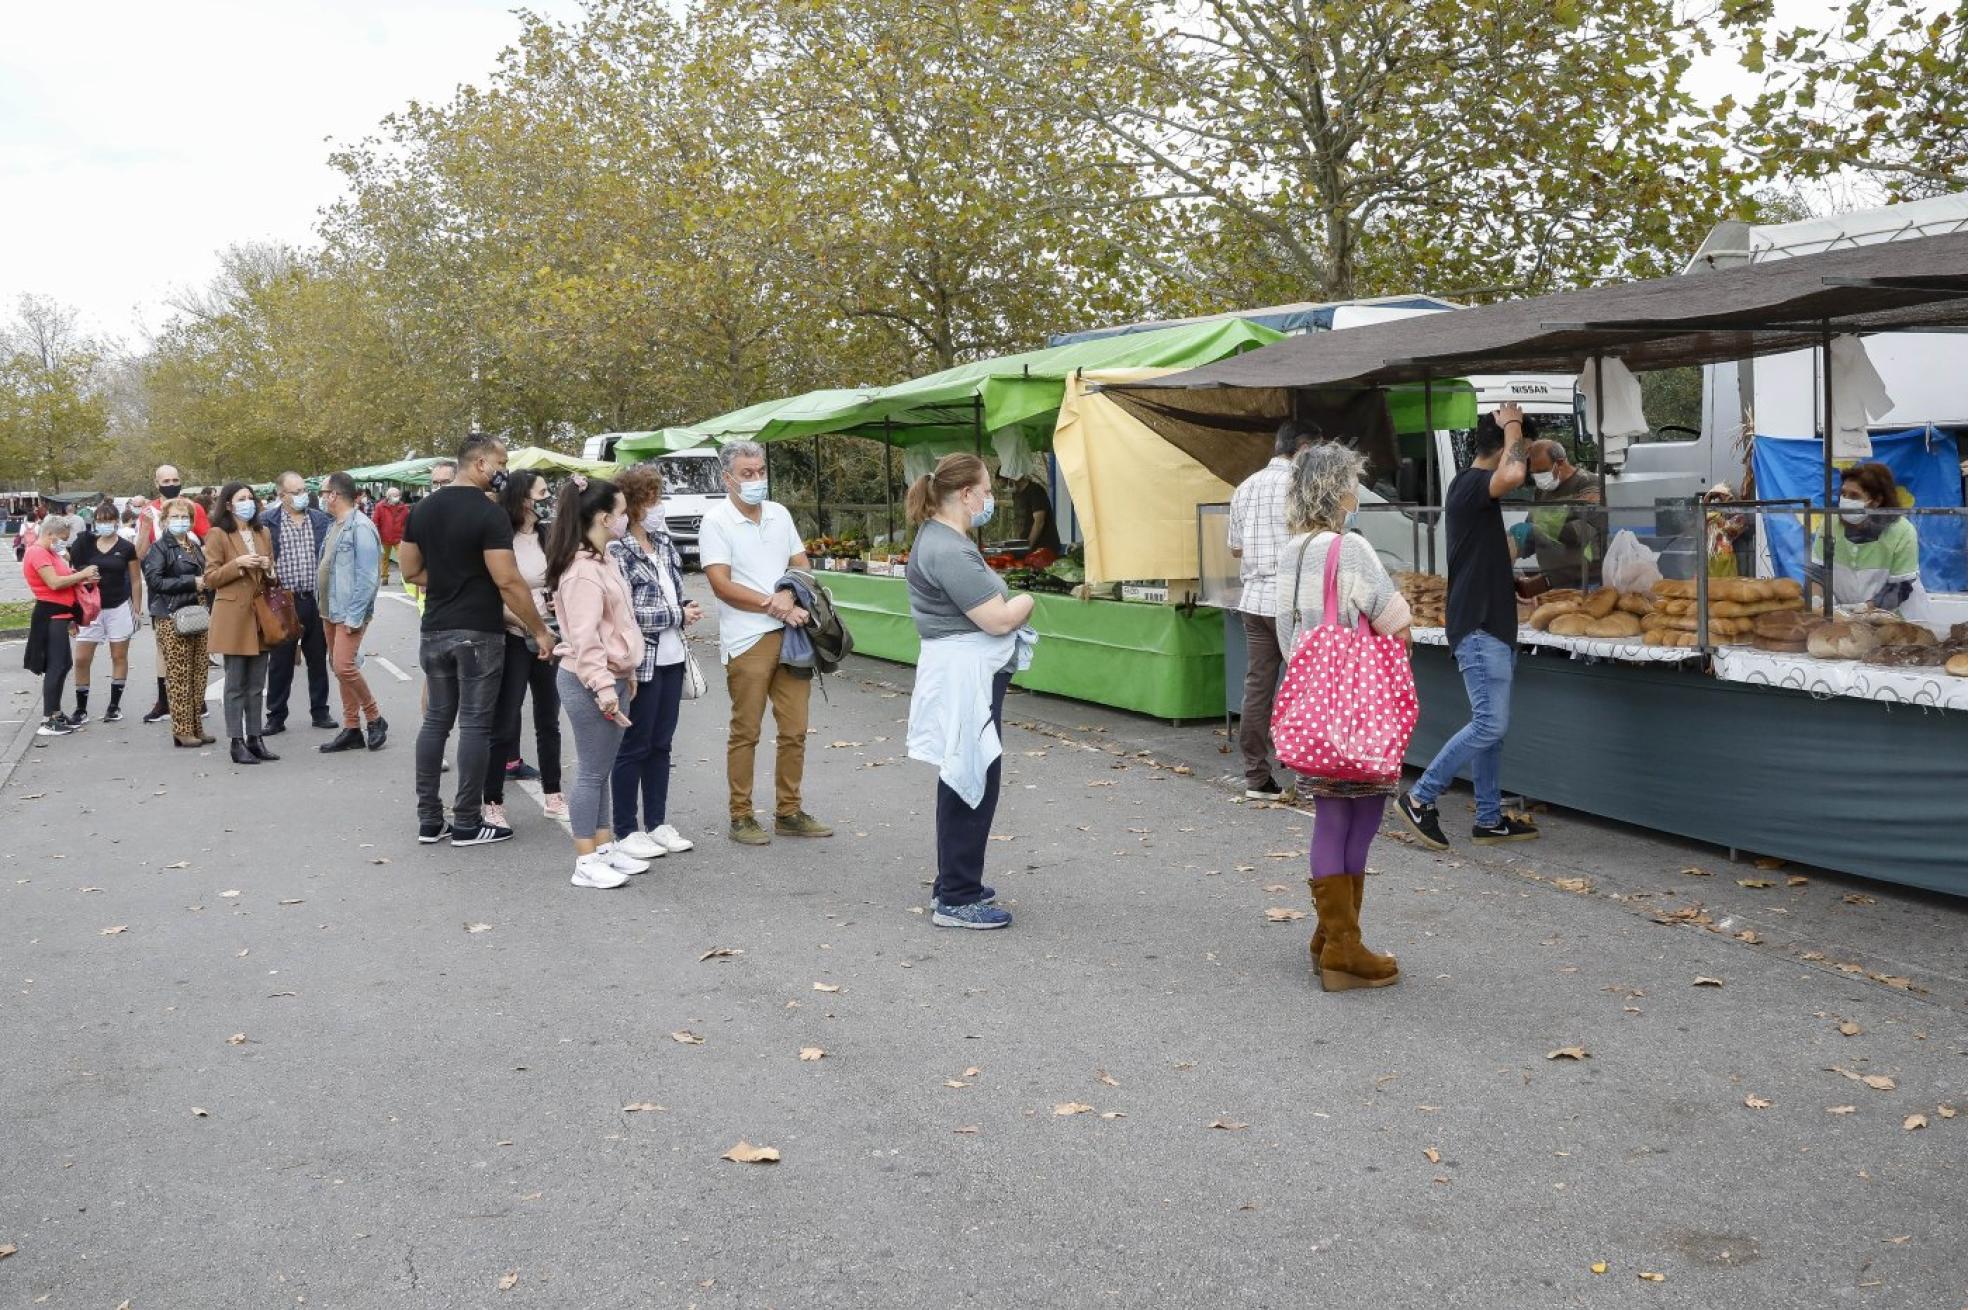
521, 673
961, 832
1264, 661
642, 766
61, 659
311, 645
461, 681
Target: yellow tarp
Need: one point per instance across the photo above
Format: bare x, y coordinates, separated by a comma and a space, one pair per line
1135, 494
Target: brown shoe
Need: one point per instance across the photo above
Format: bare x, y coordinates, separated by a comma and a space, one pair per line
748, 831
1359, 881
1345, 963
800, 824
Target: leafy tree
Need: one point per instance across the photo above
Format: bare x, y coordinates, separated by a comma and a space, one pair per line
53, 410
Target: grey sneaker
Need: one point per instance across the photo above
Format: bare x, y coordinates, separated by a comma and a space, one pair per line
749, 832
800, 824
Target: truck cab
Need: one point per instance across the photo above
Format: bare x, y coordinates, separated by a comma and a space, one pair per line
692, 484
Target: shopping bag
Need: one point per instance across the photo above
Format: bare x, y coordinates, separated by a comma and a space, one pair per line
1347, 706
693, 677
1630, 566
88, 602
278, 620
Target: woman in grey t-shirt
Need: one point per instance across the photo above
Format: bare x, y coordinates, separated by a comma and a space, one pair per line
954, 596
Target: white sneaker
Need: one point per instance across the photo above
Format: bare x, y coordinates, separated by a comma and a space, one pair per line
495, 814
640, 846
671, 840
594, 871
619, 860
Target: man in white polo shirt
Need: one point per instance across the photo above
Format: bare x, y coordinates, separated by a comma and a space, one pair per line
746, 545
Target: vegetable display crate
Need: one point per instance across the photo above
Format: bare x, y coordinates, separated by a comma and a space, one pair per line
1151, 659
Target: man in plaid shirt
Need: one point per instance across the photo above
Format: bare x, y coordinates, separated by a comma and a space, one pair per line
1257, 539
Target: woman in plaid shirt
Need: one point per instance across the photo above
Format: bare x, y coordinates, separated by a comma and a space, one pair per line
649, 560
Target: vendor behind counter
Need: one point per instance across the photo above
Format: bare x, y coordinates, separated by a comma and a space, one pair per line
1032, 511
1876, 558
1569, 540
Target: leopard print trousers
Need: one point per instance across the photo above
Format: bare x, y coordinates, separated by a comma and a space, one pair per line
183, 661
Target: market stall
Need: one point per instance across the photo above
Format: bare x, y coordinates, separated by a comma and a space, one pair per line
1704, 722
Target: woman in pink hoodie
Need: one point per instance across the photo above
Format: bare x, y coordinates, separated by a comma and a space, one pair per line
601, 647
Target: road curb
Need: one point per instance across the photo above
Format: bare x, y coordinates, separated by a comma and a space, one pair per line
17, 750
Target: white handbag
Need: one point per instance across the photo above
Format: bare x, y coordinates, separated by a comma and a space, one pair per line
693, 677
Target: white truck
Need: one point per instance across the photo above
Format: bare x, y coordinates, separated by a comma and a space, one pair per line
691, 485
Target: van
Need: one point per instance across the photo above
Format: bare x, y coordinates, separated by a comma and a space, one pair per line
692, 484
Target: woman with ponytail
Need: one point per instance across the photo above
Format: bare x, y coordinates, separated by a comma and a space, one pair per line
600, 650
974, 637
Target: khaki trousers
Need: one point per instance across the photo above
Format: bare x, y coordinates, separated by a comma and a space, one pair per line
753, 679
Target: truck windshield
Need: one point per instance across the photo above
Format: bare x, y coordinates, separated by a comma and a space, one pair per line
695, 476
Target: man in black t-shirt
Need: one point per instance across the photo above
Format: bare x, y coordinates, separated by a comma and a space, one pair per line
1032, 510
1482, 633
458, 546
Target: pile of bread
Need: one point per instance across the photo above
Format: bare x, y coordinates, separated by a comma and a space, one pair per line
1883, 638
1741, 611
1571, 613
1427, 596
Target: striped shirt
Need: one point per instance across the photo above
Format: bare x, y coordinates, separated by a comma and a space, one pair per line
1257, 529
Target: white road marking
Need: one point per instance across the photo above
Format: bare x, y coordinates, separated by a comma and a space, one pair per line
399, 596
216, 690
394, 672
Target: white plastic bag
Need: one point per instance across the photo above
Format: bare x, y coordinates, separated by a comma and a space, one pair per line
1630, 566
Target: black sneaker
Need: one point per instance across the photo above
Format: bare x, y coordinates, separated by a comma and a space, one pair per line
1266, 791
1508, 831
521, 771
158, 713
483, 835
430, 834
114, 714
77, 719
55, 725
1422, 821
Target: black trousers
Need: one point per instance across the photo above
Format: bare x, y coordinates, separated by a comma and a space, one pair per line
961, 832
523, 672
311, 645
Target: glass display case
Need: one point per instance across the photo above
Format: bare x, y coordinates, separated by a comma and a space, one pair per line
1219, 582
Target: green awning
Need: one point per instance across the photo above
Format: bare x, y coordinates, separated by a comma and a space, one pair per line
1012, 391
542, 460
403, 472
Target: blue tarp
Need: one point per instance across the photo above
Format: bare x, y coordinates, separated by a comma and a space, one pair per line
1923, 460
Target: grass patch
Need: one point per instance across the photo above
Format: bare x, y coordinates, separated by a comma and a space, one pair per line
15, 614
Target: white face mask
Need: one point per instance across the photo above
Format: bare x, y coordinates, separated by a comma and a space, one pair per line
1852, 509
652, 519
1546, 480
298, 500
752, 493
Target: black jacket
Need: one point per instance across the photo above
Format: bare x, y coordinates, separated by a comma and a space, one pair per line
171, 570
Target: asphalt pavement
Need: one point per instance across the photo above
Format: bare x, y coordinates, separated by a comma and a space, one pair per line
264, 1050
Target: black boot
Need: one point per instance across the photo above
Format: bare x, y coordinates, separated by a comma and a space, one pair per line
257, 745
348, 739
378, 733
241, 755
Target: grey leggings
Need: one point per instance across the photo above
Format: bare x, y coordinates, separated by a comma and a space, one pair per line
596, 742
245, 694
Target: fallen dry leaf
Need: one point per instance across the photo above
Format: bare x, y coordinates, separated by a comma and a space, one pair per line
198, 1112
1071, 1107
746, 1153
111, 932
1695, 871
968, 1130
811, 1053
1840, 1109
1945, 1111
1703, 980
1796, 880
509, 1280
638, 1107
1282, 914
380, 859
7, 1250
1914, 1121
1750, 935
1849, 1028
1579, 885
685, 1037
826, 987
181, 864
237, 1039
300, 901
1228, 1125
719, 953
229, 894
470, 927
1755, 1102
1434, 1156
972, 1072
1598, 1266
1860, 898
1113, 1114
1569, 1053
1757, 884
1102, 1076
955, 1082
1275, 887
1661, 1278
1879, 1082
1770, 862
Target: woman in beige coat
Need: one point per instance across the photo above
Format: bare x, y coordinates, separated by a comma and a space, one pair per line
238, 562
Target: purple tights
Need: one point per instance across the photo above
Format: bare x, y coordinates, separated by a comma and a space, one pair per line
1343, 827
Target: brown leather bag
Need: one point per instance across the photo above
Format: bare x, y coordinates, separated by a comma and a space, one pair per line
275, 614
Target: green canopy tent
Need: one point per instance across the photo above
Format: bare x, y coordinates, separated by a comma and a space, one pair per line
542, 460
403, 472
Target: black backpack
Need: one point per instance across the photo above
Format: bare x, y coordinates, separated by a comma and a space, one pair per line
832, 642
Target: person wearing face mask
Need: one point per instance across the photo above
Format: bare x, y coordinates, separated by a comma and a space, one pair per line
600, 650
347, 585
525, 503
1568, 539
238, 565
389, 518
1322, 507
1876, 558
174, 573
52, 582
746, 544
458, 547
974, 638
121, 589
150, 528
654, 571
299, 534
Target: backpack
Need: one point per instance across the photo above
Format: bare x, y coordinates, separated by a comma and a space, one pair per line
832, 642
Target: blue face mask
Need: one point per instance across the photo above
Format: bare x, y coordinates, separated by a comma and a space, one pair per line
1353, 520
752, 493
105, 528
245, 511
179, 527
985, 515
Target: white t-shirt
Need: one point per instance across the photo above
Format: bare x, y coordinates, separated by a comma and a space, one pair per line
669, 641
758, 554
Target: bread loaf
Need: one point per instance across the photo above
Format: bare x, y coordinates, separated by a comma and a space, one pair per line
1787, 588
1841, 641
1908, 657
1780, 645
1602, 602
1904, 634
1637, 602
1664, 637
1614, 625
1550, 610
1785, 625
1574, 624
1674, 589
1958, 665
1717, 628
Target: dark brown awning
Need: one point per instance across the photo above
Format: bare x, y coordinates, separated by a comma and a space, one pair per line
1671, 322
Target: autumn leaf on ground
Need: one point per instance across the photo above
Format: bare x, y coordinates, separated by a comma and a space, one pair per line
470, 927
1879, 1082
1945, 1111
1434, 1156
1072, 1107
300, 901
1228, 1125
1914, 1121
181, 864
198, 1112
639, 1107
1755, 1102
1654, 1278
1840, 1109
685, 1037
972, 1072
1282, 914
1102, 1076
1860, 898
1703, 980
237, 1039
1749, 935
955, 1082
811, 1053
746, 1153
1113, 1114
1849, 1029
509, 1280
230, 893
1579, 885
719, 953
1756, 884
380, 859
1695, 871
1598, 1266
826, 987
1275, 887
7, 1250
1770, 862
1569, 1053
968, 1130
1796, 880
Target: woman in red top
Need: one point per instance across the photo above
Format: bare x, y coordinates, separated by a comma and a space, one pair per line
55, 617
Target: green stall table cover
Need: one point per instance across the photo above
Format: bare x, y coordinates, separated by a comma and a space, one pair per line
1151, 659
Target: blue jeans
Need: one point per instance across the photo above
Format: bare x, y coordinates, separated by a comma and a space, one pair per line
461, 680
642, 766
1486, 665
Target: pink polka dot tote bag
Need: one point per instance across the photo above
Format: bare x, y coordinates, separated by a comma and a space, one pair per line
1347, 706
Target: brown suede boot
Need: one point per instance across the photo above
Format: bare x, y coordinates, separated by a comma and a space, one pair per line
1319, 933
1359, 881
1344, 963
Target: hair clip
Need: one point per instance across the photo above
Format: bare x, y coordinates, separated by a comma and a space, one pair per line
580, 481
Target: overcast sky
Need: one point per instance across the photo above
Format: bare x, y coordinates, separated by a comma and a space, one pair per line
137, 138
